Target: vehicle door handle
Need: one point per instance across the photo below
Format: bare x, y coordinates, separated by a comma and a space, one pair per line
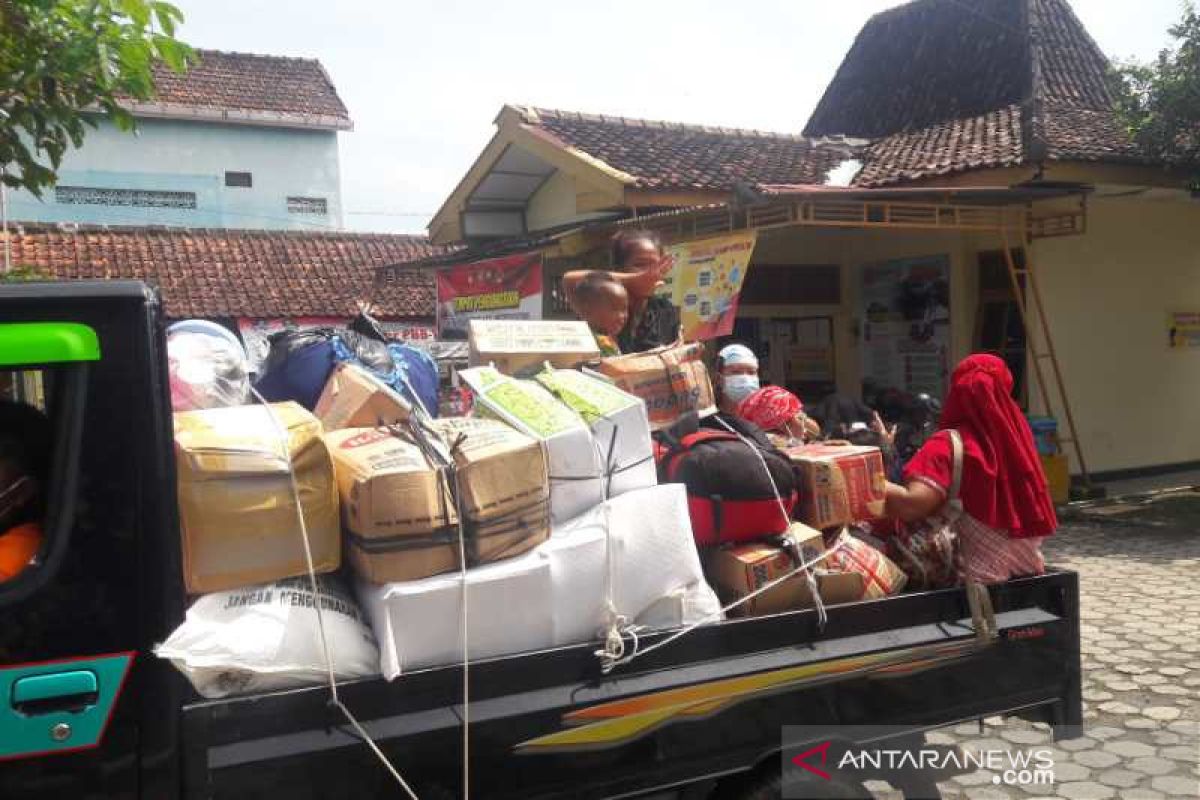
55, 692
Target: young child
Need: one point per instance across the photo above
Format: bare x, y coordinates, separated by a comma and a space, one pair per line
604, 305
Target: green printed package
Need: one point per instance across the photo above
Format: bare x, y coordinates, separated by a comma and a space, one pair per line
576, 479
619, 424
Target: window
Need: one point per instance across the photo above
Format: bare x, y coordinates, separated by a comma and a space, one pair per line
792, 284
239, 180
307, 205
140, 198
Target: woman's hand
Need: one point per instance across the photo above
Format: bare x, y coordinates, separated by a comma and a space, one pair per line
912, 502
643, 283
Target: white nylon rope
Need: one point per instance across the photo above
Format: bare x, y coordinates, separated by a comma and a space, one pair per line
613, 653
282, 435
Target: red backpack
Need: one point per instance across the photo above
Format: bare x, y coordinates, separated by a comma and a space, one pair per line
730, 497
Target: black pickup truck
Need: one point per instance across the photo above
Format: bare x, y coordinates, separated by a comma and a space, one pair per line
86, 710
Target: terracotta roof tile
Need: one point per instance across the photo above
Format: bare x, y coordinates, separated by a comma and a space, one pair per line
238, 273
954, 85
297, 88
671, 155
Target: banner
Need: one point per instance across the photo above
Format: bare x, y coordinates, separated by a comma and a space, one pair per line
706, 281
255, 332
906, 323
499, 288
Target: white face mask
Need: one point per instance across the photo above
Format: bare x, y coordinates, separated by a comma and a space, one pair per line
739, 387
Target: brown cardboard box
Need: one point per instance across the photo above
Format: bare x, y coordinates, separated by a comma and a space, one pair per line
397, 509
672, 381
238, 518
354, 398
519, 347
840, 484
504, 484
740, 570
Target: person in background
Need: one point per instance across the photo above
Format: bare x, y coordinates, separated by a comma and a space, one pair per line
640, 265
1007, 510
737, 376
603, 303
24, 462
840, 414
781, 414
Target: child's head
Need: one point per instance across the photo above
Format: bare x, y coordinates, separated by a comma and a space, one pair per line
603, 303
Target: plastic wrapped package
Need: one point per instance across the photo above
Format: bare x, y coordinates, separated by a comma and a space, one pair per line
206, 371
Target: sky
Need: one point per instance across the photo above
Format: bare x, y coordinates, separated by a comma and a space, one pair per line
424, 80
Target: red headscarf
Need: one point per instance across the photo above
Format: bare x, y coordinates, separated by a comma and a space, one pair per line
770, 408
1003, 484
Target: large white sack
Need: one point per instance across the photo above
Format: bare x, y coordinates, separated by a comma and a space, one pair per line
419, 623
265, 638
552, 596
687, 606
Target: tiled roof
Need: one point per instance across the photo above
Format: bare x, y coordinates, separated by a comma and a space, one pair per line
982, 142
955, 85
237, 273
244, 86
671, 155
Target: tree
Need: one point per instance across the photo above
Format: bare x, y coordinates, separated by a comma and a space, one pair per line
1159, 102
66, 64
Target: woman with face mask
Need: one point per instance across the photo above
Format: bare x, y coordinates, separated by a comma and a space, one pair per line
737, 376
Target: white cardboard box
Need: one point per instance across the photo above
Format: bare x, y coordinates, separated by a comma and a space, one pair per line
517, 347
619, 426
576, 479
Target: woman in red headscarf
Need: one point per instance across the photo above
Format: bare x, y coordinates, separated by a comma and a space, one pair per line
1007, 510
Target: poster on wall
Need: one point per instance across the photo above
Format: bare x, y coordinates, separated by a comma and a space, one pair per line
1183, 330
255, 332
905, 306
509, 287
706, 281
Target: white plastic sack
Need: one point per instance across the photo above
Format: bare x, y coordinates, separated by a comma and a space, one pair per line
265, 638
687, 606
206, 372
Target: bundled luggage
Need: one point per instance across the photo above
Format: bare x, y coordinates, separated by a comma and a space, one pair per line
739, 486
672, 380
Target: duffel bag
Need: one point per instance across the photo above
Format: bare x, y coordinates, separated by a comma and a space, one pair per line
297, 366
730, 496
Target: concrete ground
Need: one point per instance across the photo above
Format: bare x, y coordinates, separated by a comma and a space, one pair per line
1139, 566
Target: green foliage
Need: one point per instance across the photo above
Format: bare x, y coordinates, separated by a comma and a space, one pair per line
66, 63
1159, 102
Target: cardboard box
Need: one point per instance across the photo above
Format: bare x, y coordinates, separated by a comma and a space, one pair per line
840, 484
520, 347
576, 478
672, 381
880, 575
619, 426
354, 398
397, 508
503, 484
743, 569
238, 518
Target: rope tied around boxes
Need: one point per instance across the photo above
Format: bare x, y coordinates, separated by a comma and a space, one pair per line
334, 699
613, 654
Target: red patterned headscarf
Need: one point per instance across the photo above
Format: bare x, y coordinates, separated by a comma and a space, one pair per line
1003, 483
770, 408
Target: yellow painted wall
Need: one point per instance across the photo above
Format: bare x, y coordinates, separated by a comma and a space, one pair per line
1107, 293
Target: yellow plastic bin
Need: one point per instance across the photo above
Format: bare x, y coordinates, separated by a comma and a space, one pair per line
1058, 477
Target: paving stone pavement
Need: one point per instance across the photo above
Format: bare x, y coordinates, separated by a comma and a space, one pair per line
1140, 629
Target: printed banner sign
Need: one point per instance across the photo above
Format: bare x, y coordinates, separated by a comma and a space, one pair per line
906, 323
706, 282
499, 288
255, 332
1183, 330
